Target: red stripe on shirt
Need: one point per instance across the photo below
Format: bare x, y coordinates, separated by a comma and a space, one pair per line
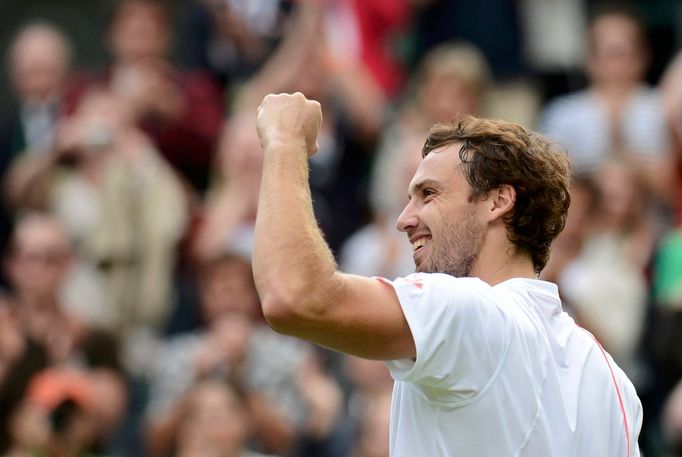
620, 397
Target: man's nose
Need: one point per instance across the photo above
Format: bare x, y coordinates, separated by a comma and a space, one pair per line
408, 218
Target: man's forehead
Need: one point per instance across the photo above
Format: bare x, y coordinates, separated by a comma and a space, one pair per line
439, 165
448, 151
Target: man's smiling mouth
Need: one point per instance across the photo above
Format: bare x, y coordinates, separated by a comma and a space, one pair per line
419, 243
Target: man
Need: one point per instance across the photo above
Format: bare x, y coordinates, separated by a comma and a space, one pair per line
484, 360
617, 116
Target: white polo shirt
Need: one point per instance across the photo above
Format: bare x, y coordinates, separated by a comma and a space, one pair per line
503, 371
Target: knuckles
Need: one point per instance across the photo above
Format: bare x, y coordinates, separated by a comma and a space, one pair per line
296, 106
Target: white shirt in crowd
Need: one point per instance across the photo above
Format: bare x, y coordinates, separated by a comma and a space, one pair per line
503, 371
580, 123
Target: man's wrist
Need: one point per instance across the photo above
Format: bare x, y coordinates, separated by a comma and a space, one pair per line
290, 145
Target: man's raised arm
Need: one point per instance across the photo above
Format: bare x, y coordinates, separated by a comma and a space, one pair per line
301, 291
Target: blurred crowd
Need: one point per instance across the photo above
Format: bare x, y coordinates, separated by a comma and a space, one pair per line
129, 321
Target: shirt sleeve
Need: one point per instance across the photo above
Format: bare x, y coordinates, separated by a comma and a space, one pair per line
460, 333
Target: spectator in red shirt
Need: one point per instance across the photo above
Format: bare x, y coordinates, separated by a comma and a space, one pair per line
181, 111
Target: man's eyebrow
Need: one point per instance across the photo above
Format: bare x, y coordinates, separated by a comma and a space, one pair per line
419, 186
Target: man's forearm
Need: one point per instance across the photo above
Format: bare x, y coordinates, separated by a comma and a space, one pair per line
293, 266
301, 292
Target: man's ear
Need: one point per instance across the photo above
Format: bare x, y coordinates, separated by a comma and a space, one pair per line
502, 201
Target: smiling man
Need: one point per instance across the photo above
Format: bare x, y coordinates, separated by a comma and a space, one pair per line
485, 362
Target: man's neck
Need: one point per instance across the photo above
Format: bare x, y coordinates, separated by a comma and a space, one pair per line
504, 272
498, 262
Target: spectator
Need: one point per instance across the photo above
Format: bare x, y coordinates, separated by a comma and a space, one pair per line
617, 116
66, 413
53, 421
39, 331
37, 265
214, 422
672, 94
569, 243
236, 345
668, 270
308, 60
379, 25
230, 210
605, 285
667, 295
451, 81
491, 26
369, 405
231, 39
121, 203
672, 421
373, 440
671, 88
180, 111
39, 61
353, 115
29, 432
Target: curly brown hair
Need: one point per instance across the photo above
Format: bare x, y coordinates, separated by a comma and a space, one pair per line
497, 153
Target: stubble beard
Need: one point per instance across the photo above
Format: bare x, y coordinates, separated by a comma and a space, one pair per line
456, 248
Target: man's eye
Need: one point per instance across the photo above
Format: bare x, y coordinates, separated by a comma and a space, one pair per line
428, 192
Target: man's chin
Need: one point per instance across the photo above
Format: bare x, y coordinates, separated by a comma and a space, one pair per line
425, 268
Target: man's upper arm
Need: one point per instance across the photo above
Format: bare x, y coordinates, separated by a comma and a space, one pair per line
360, 316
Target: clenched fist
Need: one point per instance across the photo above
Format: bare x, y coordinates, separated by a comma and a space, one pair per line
289, 119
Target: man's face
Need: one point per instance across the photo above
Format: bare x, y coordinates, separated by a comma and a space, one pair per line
441, 219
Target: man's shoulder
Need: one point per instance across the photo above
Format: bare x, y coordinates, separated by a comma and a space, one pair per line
438, 278
444, 291
440, 282
473, 282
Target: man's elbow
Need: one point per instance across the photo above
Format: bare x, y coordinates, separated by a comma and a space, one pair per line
283, 313
294, 308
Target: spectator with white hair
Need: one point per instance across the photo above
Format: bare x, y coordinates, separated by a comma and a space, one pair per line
39, 62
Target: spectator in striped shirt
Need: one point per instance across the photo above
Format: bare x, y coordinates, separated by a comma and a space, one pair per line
617, 116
